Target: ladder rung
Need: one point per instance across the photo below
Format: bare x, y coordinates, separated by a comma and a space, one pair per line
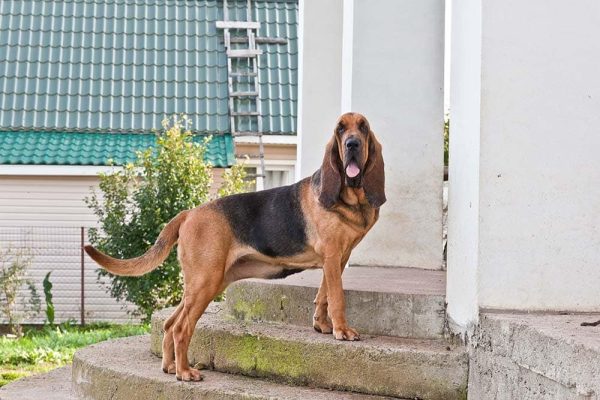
245, 113
238, 25
243, 94
258, 40
243, 53
246, 133
250, 74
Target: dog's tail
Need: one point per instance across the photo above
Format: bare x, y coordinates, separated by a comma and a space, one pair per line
148, 261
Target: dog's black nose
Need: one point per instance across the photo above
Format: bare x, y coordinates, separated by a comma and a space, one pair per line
352, 144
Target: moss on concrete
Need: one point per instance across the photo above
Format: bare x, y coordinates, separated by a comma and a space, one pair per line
248, 310
258, 356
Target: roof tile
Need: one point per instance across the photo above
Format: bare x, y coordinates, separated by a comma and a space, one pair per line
122, 65
68, 148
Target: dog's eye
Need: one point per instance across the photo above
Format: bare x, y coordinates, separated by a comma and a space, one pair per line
363, 127
340, 128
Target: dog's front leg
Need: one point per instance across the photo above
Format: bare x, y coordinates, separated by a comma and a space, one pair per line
336, 305
321, 321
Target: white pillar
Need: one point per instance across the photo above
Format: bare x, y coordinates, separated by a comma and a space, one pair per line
320, 82
463, 172
524, 230
383, 58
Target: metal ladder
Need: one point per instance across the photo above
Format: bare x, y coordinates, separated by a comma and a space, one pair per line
242, 83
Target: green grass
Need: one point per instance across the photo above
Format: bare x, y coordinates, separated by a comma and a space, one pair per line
41, 350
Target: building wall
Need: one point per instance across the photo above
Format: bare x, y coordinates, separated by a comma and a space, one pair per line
45, 200
45, 214
272, 152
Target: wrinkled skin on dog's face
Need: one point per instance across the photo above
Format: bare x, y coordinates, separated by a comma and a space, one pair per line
353, 159
352, 133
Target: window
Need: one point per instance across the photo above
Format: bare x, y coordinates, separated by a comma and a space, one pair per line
275, 176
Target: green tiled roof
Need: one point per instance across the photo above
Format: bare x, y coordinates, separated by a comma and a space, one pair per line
60, 148
122, 65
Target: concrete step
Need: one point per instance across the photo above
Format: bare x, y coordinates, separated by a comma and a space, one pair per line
535, 356
380, 365
124, 369
54, 385
403, 302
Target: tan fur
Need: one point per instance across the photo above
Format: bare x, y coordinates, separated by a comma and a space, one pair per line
147, 262
211, 258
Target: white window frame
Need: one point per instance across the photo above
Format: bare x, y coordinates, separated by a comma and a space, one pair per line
288, 166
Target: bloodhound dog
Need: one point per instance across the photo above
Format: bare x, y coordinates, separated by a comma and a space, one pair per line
271, 234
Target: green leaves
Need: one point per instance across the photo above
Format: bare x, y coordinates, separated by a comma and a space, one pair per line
139, 199
48, 296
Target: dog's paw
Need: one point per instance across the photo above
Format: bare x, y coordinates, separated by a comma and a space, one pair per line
345, 333
321, 323
169, 369
323, 327
189, 374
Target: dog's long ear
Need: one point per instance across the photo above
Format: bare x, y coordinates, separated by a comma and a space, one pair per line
374, 176
331, 180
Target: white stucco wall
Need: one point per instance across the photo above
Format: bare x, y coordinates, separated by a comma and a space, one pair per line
396, 79
538, 221
540, 160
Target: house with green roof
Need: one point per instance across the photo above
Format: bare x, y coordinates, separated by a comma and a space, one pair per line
85, 81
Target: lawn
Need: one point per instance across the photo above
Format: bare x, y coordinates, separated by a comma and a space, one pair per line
41, 350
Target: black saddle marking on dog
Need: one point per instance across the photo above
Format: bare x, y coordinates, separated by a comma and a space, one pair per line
271, 221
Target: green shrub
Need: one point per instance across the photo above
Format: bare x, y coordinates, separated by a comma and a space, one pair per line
139, 199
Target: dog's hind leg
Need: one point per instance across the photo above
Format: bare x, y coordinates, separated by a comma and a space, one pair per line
204, 245
321, 322
168, 347
199, 292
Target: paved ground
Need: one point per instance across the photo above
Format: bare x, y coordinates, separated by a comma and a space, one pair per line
55, 385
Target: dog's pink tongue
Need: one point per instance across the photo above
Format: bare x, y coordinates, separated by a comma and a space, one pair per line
352, 170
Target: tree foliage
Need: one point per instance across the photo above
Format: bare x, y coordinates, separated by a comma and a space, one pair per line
139, 199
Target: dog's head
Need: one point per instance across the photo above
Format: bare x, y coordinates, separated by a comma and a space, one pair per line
353, 158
